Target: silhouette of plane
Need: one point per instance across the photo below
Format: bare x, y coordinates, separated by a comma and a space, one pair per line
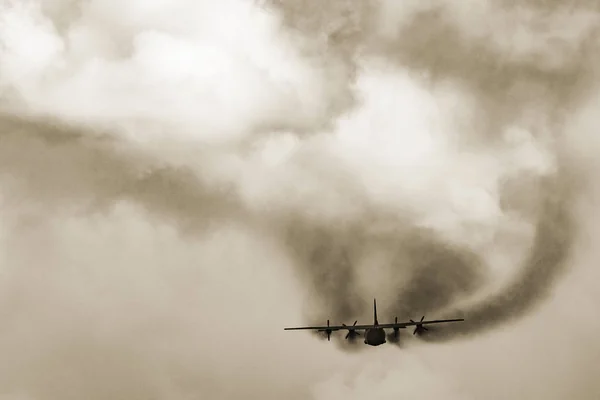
374, 334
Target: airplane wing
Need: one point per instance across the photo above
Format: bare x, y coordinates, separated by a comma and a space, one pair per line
331, 327
398, 325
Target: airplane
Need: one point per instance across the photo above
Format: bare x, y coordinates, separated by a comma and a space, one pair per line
374, 334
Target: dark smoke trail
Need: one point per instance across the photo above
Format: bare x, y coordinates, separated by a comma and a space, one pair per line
509, 86
547, 260
440, 273
328, 256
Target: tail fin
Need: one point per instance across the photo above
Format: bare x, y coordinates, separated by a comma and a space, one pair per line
375, 312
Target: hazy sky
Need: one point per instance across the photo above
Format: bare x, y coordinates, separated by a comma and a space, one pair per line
182, 179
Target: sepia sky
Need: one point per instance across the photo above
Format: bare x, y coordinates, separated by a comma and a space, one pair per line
180, 180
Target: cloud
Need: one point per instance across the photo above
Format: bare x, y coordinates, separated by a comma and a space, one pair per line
181, 180
245, 65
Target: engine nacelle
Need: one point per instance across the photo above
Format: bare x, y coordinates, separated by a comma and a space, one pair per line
419, 328
327, 332
351, 332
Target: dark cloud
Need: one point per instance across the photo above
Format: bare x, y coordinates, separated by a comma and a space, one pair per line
72, 169
508, 79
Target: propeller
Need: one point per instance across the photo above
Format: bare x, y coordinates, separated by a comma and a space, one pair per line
351, 332
419, 328
327, 331
396, 329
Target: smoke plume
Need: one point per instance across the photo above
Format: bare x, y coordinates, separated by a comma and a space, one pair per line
182, 179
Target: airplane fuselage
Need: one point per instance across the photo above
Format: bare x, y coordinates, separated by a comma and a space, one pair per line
375, 336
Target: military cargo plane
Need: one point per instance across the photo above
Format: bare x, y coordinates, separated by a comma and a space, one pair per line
374, 334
